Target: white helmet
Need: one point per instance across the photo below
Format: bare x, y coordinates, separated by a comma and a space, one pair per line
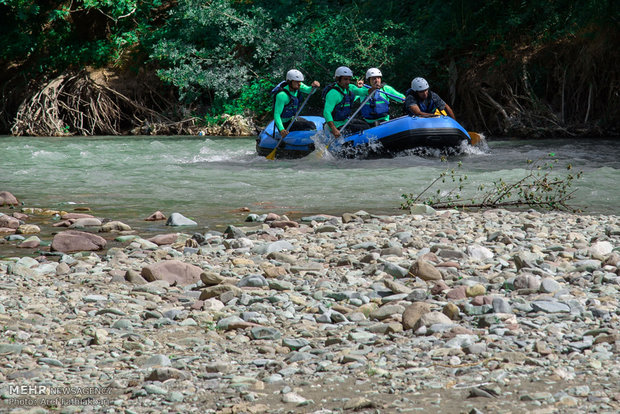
294, 75
343, 71
419, 84
373, 72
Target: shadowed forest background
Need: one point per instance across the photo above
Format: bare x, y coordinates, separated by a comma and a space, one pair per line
519, 68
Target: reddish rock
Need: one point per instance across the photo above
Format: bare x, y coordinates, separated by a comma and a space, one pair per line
482, 300
20, 216
439, 287
8, 199
158, 215
77, 241
267, 237
9, 222
424, 270
75, 216
272, 217
172, 271
29, 244
458, 330
449, 264
64, 223
457, 293
413, 313
282, 224
163, 239
431, 257
6, 230
241, 210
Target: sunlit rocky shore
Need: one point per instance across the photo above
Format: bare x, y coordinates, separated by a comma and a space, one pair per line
473, 312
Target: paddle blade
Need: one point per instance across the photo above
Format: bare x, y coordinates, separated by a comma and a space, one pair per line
272, 154
475, 137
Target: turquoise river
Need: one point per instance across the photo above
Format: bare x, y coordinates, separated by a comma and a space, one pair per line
209, 179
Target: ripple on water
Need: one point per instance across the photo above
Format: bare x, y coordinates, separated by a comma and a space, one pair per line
48, 155
158, 145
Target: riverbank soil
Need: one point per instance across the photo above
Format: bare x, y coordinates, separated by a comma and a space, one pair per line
570, 87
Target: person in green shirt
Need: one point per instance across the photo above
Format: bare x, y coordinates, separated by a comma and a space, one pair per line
338, 99
287, 101
377, 108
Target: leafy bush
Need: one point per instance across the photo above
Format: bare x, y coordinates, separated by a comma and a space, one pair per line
540, 187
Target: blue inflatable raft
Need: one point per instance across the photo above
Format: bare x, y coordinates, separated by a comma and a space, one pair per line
297, 143
385, 140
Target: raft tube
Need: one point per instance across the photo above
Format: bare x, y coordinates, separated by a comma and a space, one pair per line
297, 144
402, 134
383, 141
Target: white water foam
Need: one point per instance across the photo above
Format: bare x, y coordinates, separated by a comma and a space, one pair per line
218, 151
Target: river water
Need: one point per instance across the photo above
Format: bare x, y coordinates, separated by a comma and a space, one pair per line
208, 179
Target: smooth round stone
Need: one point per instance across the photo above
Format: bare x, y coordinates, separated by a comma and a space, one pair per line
265, 333
154, 389
294, 343
273, 378
476, 290
174, 396
253, 281
123, 324
550, 307
548, 285
501, 305
157, 360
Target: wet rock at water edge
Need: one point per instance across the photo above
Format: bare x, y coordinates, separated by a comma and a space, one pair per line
75, 241
156, 216
178, 219
8, 199
9, 222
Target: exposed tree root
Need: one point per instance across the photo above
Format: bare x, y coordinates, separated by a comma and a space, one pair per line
75, 104
568, 88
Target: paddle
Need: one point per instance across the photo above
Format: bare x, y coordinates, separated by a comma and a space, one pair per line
350, 118
475, 137
386, 93
272, 154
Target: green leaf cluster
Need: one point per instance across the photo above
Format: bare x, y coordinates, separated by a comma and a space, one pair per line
51, 36
226, 54
541, 186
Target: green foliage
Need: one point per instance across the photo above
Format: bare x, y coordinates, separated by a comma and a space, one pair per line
48, 37
226, 54
540, 187
211, 50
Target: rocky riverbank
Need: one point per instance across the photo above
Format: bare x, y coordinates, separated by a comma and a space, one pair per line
453, 312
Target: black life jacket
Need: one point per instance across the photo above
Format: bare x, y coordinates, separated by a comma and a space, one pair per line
427, 105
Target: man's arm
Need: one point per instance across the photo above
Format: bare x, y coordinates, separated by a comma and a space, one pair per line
281, 100
393, 91
332, 99
417, 112
450, 112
